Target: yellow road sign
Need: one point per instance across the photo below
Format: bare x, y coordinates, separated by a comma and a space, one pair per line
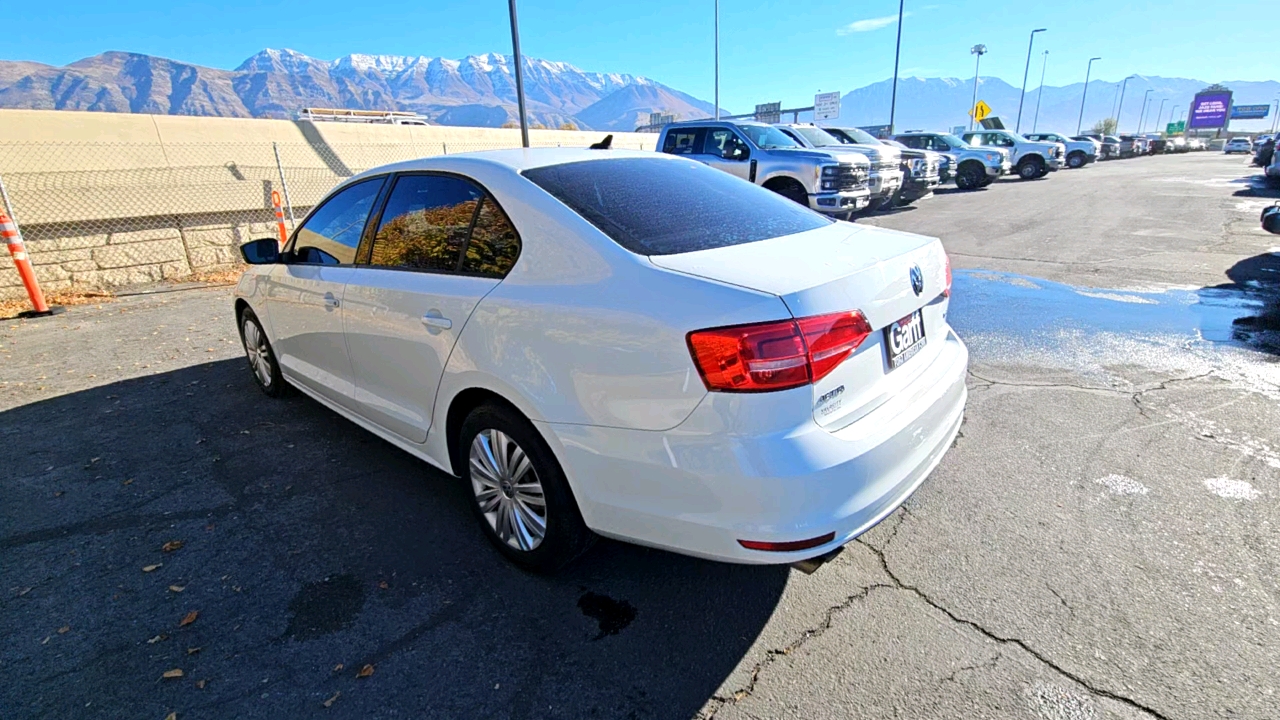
980, 111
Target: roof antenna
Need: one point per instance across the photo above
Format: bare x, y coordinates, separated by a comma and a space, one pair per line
605, 144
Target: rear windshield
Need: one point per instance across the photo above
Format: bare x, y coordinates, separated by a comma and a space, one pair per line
660, 206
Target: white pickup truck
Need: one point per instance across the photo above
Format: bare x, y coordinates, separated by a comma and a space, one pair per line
1079, 152
1031, 159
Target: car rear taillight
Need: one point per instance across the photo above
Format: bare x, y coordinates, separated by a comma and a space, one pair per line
790, 546
779, 355
946, 292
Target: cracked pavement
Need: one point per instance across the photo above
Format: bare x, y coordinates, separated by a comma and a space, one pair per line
1100, 541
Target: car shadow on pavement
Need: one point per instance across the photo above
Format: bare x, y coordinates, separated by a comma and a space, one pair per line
274, 560
1254, 294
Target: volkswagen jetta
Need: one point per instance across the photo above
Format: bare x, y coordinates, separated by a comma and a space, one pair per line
619, 343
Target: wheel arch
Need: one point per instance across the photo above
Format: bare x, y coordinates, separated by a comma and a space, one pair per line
460, 406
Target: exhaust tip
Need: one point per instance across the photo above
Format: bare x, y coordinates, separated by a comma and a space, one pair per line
811, 565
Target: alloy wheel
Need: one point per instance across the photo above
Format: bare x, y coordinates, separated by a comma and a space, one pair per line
255, 347
507, 490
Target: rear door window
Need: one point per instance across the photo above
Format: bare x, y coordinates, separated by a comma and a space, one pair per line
425, 223
683, 141
659, 206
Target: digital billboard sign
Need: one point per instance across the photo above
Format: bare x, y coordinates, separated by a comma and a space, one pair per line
1209, 110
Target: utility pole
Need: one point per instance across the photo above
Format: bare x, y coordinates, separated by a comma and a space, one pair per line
897, 53
1040, 94
515, 48
978, 50
1085, 94
717, 59
1018, 125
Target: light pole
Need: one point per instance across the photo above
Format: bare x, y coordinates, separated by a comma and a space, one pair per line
1275, 120
893, 99
1161, 113
1085, 94
1120, 107
978, 50
515, 48
1018, 125
1143, 115
1040, 94
717, 59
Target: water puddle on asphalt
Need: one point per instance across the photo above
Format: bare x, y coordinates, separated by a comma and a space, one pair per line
1231, 331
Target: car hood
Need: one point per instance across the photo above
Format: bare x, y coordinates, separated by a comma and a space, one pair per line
817, 155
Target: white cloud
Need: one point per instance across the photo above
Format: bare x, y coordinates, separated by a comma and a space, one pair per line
869, 24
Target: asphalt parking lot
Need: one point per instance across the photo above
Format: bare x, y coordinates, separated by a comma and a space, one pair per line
1100, 542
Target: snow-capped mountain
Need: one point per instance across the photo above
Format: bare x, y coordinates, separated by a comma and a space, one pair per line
477, 89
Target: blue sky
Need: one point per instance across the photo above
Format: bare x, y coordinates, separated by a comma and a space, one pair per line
769, 51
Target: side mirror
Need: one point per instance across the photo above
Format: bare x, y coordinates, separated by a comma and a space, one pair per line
261, 252
1271, 219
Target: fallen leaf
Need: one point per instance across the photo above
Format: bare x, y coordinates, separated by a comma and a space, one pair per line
156, 639
200, 683
127, 482
24, 591
46, 639
338, 667
329, 702
177, 588
171, 716
190, 618
151, 568
58, 493
171, 674
63, 630
383, 584
171, 545
193, 650
365, 671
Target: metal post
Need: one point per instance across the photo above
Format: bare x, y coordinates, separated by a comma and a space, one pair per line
1275, 119
978, 50
1142, 117
12, 238
515, 49
1160, 113
284, 185
1085, 94
1043, 67
717, 59
897, 53
1018, 125
1120, 109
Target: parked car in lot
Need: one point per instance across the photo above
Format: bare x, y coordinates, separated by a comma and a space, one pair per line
1079, 152
922, 170
1108, 146
1130, 146
766, 156
885, 176
1031, 159
1238, 145
1158, 146
619, 343
974, 167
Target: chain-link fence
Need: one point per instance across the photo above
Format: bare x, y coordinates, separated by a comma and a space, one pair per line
102, 215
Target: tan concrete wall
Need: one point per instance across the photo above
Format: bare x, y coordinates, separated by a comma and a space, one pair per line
110, 199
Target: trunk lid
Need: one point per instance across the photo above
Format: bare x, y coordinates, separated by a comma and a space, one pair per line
838, 268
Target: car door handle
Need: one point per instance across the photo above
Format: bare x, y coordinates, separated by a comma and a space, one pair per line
330, 301
435, 321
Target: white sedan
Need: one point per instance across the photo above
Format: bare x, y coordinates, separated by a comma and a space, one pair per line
619, 343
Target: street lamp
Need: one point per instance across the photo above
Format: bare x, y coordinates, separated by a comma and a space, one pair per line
717, 41
978, 50
893, 99
1142, 117
1161, 113
515, 48
1275, 120
1085, 94
1018, 125
1040, 94
1120, 107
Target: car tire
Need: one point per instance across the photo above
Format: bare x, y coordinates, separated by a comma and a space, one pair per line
1031, 168
1075, 160
262, 359
970, 177
793, 191
526, 509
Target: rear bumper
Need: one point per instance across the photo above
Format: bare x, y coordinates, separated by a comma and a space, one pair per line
837, 203
700, 493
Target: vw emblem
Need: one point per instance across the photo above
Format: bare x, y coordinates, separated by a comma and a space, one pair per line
917, 279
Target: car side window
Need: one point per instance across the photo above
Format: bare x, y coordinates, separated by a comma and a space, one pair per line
332, 233
681, 142
494, 246
973, 139
425, 223
725, 144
